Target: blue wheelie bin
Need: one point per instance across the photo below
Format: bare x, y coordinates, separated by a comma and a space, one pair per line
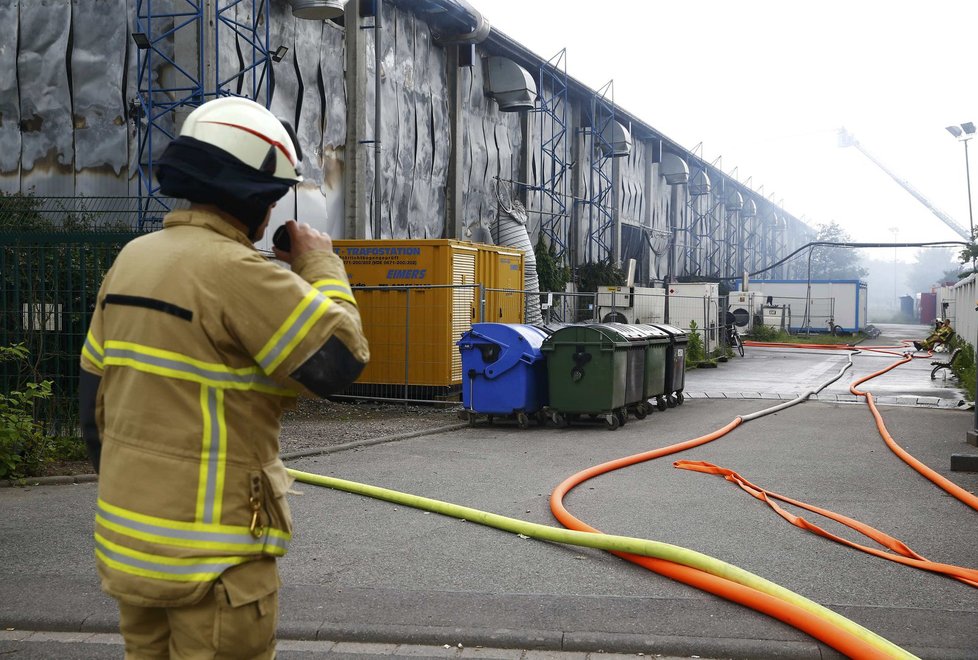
503, 371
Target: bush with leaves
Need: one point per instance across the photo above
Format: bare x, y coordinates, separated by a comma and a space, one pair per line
552, 274
964, 366
694, 350
24, 444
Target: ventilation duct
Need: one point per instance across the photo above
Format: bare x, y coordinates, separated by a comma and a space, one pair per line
452, 21
616, 141
674, 169
511, 85
318, 10
699, 184
750, 209
735, 201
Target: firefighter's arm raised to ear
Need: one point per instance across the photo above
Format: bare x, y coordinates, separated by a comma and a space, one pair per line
341, 359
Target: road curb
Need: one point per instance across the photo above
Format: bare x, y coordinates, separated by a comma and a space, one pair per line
73, 479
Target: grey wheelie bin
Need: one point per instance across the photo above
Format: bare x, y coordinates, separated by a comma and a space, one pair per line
640, 358
675, 364
503, 371
656, 358
588, 373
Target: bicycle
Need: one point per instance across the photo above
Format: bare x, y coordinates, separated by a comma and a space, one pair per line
734, 341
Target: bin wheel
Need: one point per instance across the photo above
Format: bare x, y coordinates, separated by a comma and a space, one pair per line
613, 421
622, 415
558, 419
641, 412
470, 417
660, 402
522, 420
671, 401
680, 398
541, 418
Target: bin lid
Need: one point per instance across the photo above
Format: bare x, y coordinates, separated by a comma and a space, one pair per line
603, 334
630, 331
655, 335
675, 333
517, 343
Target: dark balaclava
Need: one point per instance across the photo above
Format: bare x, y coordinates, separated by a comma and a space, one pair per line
200, 172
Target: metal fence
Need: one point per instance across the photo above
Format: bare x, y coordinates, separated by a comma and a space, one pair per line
49, 281
19, 212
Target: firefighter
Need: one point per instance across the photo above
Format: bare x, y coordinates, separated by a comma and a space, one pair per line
941, 335
197, 345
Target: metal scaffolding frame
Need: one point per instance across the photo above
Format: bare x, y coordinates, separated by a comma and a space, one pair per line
170, 78
602, 199
719, 240
554, 159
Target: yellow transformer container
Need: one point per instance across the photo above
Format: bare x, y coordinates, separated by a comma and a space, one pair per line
417, 298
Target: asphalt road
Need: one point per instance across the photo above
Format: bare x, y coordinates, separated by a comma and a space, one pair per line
402, 582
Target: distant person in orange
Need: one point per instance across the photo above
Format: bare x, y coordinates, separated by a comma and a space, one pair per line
941, 335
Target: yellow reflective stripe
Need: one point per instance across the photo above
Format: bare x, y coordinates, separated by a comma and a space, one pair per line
195, 534
336, 289
213, 456
179, 569
250, 547
93, 351
170, 364
293, 330
222, 456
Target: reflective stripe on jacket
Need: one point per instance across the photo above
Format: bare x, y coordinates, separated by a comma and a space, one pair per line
194, 337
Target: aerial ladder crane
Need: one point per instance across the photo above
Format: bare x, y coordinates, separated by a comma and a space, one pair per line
847, 139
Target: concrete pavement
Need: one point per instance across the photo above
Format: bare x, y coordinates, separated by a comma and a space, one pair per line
411, 582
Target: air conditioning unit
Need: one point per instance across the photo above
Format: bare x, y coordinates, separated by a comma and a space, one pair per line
623, 304
777, 316
746, 308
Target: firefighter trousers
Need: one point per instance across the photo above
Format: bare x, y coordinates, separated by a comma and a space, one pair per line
211, 629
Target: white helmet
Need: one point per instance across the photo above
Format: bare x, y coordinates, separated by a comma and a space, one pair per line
249, 132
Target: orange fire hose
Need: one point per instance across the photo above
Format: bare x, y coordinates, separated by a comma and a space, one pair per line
949, 486
905, 555
844, 641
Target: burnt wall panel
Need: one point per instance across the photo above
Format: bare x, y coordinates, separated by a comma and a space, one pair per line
10, 139
309, 123
47, 149
404, 130
491, 146
98, 77
333, 155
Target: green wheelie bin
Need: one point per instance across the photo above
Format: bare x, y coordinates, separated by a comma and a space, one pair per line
588, 372
656, 355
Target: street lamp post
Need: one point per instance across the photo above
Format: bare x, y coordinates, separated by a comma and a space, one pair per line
963, 133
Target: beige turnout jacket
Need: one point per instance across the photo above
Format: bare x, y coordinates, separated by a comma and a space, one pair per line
194, 337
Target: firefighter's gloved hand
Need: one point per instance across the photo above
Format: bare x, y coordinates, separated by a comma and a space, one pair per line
302, 238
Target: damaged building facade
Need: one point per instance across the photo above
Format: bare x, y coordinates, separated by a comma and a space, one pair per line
419, 121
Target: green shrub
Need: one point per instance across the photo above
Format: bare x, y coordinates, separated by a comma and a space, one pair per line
553, 276
694, 350
964, 366
24, 444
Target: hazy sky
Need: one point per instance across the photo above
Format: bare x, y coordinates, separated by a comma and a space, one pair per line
766, 84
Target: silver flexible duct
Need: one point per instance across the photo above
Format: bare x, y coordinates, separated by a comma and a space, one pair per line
511, 231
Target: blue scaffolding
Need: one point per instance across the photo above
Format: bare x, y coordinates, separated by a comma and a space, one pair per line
602, 196
554, 159
167, 82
